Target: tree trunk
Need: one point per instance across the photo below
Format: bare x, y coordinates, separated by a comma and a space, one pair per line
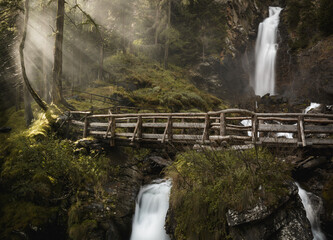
123, 31
33, 93
57, 64
57, 96
157, 20
101, 59
166, 49
28, 115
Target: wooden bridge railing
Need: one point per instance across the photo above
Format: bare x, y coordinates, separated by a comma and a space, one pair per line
236, 126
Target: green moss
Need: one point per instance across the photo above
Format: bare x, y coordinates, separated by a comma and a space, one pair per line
143, 83
81, 231
207, 184
18, 216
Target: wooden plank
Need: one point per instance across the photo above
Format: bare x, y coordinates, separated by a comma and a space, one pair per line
318, 129
233, 110
79, 112
205, 135
316, 115
95, 132
318, 121
319, 141
160, 136
99, 125
130, 135
280, 119
265, 140
238, 118
229, 137
78, 123
277, 128
126, 125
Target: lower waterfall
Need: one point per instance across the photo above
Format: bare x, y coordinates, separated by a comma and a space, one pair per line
150, 212
311, 214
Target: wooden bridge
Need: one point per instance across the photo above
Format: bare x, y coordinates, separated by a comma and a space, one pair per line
225, 127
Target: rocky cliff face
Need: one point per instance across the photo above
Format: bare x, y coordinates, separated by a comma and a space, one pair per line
304, 67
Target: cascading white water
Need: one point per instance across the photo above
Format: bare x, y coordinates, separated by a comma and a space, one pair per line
311, 214
150, 211
312, 106
266, 48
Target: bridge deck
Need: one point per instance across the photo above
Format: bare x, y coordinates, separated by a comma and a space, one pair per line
231, 126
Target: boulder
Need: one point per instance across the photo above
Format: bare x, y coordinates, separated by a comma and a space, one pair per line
285, 221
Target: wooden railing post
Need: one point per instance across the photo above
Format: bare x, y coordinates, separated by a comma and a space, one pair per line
139, 127
154, 121
254, 129
222, 125
170, 129
300, 130
205, 135
112, 131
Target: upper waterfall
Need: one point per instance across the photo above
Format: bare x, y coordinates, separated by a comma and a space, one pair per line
265, 53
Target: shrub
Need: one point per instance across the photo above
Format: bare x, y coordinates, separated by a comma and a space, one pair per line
206, 184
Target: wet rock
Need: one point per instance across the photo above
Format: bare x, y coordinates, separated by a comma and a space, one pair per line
286, 221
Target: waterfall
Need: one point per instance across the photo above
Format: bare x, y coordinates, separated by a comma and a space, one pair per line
311, 214
150, 211
266, 48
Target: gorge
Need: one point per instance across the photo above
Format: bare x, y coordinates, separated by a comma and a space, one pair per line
166, 120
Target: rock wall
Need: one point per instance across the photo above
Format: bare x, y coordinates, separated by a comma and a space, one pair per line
304, 69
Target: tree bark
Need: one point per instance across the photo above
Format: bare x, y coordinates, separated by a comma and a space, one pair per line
101, 59
166, 49
57, 64
57, 96
157, 20
33, 93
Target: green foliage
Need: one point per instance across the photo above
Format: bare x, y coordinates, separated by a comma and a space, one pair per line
147, 85
307, 21
39, 171
207, 184
293, 13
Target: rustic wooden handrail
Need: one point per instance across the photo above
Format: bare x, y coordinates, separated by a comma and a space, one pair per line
211, 127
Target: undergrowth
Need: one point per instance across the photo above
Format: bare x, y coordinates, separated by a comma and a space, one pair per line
206, 184
39, 174
137, 81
